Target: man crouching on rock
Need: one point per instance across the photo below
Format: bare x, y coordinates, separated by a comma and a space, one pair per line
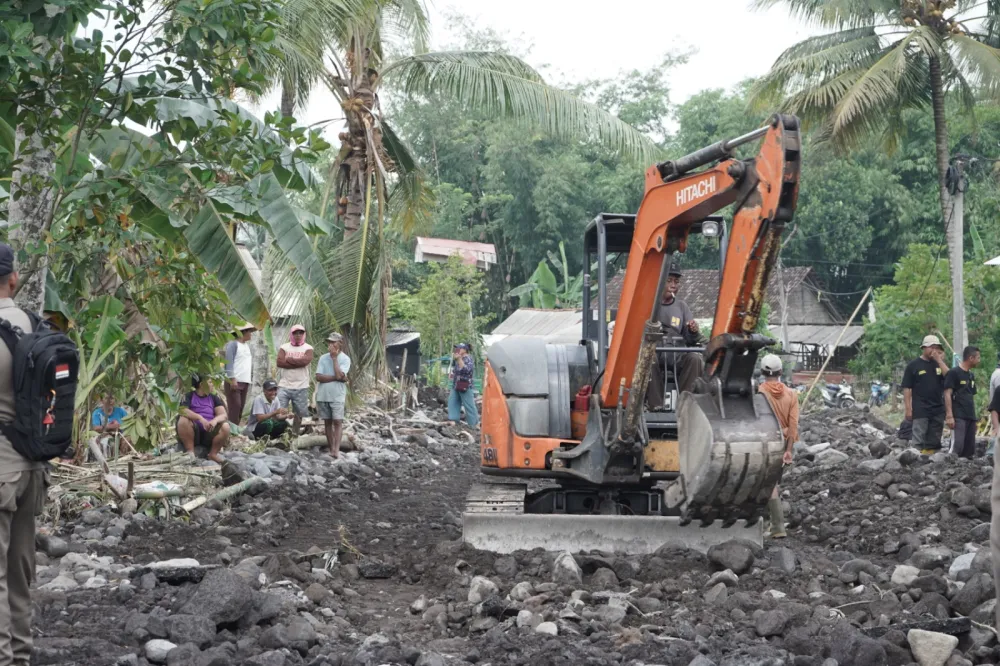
785, 404
203, 423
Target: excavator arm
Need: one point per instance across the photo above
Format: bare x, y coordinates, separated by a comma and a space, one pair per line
764, 189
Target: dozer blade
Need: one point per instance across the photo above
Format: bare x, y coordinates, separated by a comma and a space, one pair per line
730, 456
492, 522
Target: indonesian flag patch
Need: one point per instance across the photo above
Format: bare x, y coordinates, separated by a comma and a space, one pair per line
62, 371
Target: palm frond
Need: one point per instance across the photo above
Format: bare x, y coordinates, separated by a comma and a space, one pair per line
980, 62
835, 13
505, 87
411, 201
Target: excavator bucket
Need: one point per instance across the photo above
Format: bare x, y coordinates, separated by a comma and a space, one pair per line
731, 457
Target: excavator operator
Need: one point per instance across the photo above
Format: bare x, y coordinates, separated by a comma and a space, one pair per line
679, 330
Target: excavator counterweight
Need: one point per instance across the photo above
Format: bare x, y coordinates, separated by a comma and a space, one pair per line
581, 457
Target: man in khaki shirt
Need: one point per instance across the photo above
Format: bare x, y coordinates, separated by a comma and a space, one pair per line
22, 494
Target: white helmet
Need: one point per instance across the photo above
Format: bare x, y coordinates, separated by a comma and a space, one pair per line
771, 365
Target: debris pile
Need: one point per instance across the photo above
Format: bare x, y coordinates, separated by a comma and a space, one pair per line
359, 562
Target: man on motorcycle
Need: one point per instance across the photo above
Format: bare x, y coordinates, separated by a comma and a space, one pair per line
923, 395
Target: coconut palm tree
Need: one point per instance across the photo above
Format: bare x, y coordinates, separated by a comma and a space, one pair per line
880, 59
364, 46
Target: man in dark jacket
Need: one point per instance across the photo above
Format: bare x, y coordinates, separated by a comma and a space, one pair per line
679, 329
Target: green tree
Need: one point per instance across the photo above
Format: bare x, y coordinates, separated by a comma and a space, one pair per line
444, 305
882, 59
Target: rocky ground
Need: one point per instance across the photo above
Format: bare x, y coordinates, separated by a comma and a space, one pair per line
359, 562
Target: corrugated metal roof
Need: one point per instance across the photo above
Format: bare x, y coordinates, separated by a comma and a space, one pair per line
472, 253
399, 338
553, 325
821, 335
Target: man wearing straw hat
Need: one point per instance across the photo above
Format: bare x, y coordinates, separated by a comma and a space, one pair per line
239, 371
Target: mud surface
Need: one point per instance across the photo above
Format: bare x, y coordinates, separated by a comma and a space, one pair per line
360, 562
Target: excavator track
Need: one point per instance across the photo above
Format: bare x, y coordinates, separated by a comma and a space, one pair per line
495, 520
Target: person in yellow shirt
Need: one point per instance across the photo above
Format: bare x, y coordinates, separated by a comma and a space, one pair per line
785, 403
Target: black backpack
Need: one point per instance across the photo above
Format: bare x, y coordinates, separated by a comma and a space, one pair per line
46, 367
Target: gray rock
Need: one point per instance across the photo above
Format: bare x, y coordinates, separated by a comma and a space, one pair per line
771, 623
127, 660
301, 635
931, 557
565, 570
524, 618
904, 574
883, 480
270, 658
51, 545
831, 457
726, 577
930, 648
157, 650
548, 628
183, 655
604, 579
92, 517
274, 637
982, 562
978, 589
195, 629
850, 647
376, 569
612, 614
984, 613
505, 566
717, 594
784, 559
419, 605
733, 554
961, 563
701, 660
480, 589
316, 593
522, 591
223, 596
430, 659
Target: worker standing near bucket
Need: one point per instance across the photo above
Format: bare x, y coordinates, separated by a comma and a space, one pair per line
785, 404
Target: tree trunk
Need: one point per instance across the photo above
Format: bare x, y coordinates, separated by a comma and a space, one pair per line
32, 194
947, 205
259, 346
288, 93
360, 101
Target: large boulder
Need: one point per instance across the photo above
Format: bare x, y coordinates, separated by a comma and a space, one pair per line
733, 554
565, 570
977, 589
196, 629
222, 596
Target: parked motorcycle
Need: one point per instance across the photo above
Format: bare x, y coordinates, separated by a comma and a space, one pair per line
879, 395
839, 396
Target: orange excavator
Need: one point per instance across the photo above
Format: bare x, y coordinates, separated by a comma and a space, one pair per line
578, 459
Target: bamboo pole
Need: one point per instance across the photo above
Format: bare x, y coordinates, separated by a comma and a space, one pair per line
224, 494
854, 314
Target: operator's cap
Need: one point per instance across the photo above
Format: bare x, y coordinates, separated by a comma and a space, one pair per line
298, 328
675, 268
930, 341
270, 384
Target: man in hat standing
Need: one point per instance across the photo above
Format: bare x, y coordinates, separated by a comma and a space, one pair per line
679, 329
294, 359
22, 495
331, 390
239, 371
923, 395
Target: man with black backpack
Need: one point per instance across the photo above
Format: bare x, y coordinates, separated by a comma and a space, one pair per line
23, 450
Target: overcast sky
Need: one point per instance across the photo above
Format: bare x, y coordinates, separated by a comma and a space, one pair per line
575, 41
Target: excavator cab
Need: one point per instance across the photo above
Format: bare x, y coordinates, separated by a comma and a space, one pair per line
607, 241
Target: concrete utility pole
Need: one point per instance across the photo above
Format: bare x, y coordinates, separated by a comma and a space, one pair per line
956, 227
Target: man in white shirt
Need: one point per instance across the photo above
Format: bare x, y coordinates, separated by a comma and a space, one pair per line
331, 390
239, 371
294, 359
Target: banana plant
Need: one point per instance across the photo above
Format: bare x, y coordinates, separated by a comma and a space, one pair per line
542, 290
92, 371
